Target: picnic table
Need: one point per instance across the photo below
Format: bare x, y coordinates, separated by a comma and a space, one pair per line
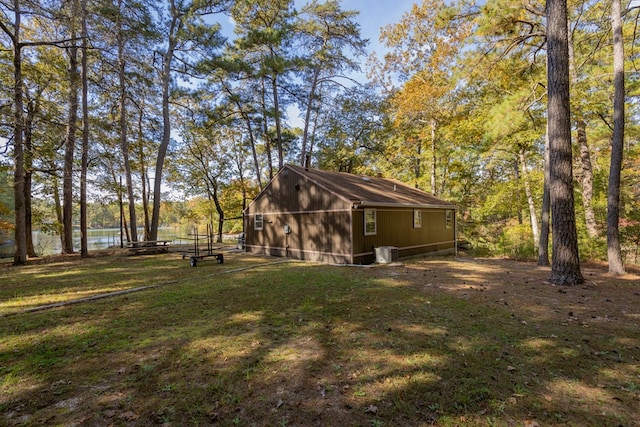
148, 247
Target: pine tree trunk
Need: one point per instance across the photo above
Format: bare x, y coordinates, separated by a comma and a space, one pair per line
220, 211
276, 113
166, 119
265, 130
532, 207
247, 120
57, 202
69, 151
434, 159
516, 171
84, 248
145, 201
417, 163
32, 110
123, 219
565, 264
124, 141
254, 153
313, 134
20, 255
586, 176
614, 252
543, 246
307, 117
143, 179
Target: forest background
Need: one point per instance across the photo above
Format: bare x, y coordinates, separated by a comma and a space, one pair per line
159, 108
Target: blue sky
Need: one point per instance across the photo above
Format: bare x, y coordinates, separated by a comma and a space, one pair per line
375, 14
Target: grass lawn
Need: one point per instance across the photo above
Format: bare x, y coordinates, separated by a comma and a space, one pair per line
436, 341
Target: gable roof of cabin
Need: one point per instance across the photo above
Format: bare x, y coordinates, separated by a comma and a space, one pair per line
371, 191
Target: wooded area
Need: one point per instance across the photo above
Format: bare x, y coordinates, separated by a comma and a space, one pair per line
145, 101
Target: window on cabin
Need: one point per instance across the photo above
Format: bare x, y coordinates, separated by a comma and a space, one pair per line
370, 222
258, 222
417, 218
449, 218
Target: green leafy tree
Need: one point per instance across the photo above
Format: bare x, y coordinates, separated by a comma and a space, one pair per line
264, 36
331, 38
424, 47
351, 132
127, 31
188, 39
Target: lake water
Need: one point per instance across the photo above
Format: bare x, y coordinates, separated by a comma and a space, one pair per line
103, 238
48, 244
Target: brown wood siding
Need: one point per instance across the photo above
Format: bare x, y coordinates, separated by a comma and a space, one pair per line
395, 228
317, 236
290, 192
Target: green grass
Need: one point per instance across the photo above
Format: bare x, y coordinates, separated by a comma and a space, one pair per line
299, 344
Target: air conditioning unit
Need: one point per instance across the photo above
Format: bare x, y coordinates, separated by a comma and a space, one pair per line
386, 254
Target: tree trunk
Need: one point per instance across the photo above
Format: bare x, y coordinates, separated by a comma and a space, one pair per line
211, 183
124, 142
307, 118
143, 179
417, 162
69, 150
243, 184
267, 139
20, 255
532, 207
254, 153
565, 264
614, 252
216, 201
145, 201
32, 110
166, 119
147, 217
516, 196
586, 176
247, 120
543, 246
434, 159
313, 134
84, 248
57, 202
276, 113
123, 220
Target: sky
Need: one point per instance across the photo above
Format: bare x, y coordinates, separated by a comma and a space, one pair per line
375, 14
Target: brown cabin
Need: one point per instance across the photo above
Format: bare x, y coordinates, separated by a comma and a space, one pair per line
342, 218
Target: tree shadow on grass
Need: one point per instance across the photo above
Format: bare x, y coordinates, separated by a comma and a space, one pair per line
435, 342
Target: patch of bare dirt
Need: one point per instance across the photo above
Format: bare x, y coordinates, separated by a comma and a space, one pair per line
526, 286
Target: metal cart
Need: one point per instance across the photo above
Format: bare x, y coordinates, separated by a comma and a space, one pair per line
199, 252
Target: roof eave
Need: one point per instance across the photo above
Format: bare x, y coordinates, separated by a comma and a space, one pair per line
370, 204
